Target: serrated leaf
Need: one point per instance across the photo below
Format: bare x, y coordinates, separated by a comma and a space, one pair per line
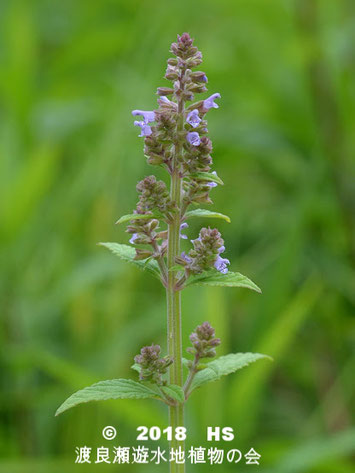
127, 253
109, 389
207, 214
128, 217
223, 366
215, 278
207, 176
175, 392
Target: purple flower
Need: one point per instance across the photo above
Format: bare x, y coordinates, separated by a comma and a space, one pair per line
185, 257
210, 103
221, 264
182, 227
193, 119
147, 115
213, 184
145, 129
193, 138
221, 249
165, 99
133, 238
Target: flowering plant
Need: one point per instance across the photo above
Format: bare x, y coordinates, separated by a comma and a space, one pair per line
175, 138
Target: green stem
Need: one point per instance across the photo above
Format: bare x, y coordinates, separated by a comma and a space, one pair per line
192, 373
176, 413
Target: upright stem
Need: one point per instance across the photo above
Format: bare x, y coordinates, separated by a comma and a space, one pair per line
176, 413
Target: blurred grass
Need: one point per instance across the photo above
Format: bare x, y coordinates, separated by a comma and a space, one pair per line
70, 73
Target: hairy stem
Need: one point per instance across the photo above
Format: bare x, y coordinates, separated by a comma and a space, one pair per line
176, 413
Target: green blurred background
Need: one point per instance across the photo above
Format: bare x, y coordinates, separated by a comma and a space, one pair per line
284, 143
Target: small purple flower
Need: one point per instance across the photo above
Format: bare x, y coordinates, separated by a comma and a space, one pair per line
193, 138
213, 184
182, 227
221, 264
210, 103
134, 238
145, 129
148, 116
165, 100
221, 249
185, 257
193, 119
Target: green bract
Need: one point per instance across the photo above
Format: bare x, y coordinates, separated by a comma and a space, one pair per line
203, 213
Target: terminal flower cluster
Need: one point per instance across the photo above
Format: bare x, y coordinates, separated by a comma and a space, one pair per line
176, 125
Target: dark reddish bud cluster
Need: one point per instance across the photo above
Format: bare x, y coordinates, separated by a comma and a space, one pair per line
186, 52
204, 341
154, 195
151, 366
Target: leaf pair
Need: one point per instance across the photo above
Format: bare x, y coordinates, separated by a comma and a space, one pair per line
203, 213
208, 278
129, 389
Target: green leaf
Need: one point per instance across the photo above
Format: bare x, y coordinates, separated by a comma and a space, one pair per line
223, 366
207, 176
109, 389
206, 214
136, 367
127, 253
128, 217
177, 267
215, 278
174, 391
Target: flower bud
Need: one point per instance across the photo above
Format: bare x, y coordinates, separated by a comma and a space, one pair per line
163, 91
202, 199
153, 224
198, 76
187, 95
172, 61
194, 61
155, 159
162, 235
171, 73
197, 88
142, 254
